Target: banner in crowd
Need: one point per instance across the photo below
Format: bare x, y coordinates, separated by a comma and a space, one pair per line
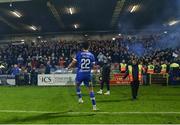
56, 79
7, 80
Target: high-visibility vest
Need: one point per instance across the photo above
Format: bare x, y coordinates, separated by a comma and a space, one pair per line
150, 69
163, 68
140, 67
174, 65
130, 73
139, 73
123, 67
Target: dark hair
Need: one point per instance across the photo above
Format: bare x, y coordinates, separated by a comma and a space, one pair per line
85, 45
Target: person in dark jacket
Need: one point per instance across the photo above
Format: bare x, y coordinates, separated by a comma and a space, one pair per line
48, 68
157, 68
33, 76
133, 71
105, 77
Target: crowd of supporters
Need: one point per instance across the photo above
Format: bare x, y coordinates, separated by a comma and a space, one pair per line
47, 56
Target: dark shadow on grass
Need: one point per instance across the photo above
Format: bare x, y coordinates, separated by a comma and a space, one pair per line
161, 99
44, 117
115, 100
85, 95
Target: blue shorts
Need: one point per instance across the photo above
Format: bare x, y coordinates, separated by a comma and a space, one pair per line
85, 78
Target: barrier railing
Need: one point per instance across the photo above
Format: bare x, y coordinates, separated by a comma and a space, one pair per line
7, 80
174, 77
68, 78
159, 78
117, 79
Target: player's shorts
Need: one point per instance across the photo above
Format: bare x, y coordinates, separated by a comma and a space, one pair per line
85, 78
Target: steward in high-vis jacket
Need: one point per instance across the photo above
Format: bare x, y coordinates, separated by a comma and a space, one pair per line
122, 66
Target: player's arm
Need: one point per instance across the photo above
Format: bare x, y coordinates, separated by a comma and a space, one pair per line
94, 66
126, 73
72, 64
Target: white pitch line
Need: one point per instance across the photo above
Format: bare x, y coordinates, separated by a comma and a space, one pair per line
24, 111
76, 113
116, 113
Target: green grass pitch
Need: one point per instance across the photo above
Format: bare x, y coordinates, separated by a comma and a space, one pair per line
30, 104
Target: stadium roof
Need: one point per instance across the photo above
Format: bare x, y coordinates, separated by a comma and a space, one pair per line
59, 16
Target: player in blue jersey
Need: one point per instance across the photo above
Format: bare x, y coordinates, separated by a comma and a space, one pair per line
85, 62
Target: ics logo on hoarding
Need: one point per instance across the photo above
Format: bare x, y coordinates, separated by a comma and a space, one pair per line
45, 79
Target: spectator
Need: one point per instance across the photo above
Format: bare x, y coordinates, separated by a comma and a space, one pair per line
61, 62
42, 69
157, 68
1, 69
20, 60
48, 68
15, 70
101, 57
33, 76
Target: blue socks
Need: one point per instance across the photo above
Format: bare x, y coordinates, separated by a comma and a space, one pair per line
78, 90
92, 98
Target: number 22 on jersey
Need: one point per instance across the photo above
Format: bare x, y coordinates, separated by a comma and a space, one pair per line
85, 64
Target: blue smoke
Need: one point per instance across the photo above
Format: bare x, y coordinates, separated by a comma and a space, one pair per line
169, 40
138, 49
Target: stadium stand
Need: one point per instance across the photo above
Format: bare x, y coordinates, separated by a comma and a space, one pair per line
59, 53
49, 56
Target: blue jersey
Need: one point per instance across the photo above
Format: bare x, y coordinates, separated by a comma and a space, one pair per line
85, 61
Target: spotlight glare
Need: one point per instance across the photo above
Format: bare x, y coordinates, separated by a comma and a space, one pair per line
173, 22
134, 8
76, 26
16, 14
33, 28
70, 11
